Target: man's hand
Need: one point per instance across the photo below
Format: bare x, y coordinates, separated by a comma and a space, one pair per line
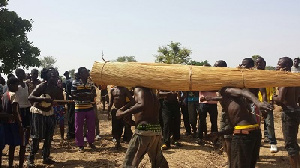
212, 136
265, 106
119, 114
202, 99
48, 100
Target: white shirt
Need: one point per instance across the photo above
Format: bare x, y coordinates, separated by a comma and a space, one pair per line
295, 70
22, 96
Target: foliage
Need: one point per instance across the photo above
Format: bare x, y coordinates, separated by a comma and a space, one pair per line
72, 73
201, 63
270, 68
126, 59
173, 54
48, 61
254, 57
15, 49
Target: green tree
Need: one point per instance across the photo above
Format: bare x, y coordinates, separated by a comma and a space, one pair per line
254, 57
201, 63
126, 59
48, 61
270, 68
15, 49
173, 54
72, 73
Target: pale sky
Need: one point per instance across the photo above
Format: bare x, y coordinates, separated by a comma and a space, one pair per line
75, 32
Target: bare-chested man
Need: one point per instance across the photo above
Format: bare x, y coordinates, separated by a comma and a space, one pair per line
118, 99
246, 138
287, 99
43, 118
147, 137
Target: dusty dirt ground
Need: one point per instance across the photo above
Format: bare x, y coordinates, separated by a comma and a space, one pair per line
190, 155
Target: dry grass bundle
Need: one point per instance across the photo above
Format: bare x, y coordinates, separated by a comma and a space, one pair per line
186, 77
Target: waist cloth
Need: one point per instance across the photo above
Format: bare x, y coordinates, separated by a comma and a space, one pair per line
148, 129
245, 129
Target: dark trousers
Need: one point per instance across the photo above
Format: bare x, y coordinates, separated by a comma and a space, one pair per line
171, 120
42, 128
193, 107
117, 128
185, 114
245, 149
290, 126
71, 120
213, 113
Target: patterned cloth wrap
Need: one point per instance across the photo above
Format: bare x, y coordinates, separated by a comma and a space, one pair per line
59, 114
149, 127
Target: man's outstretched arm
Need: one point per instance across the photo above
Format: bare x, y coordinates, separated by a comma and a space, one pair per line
236, 92
138, 106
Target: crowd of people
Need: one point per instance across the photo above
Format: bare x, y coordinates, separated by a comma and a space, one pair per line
31, 109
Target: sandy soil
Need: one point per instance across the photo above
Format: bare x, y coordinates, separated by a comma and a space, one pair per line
190, 155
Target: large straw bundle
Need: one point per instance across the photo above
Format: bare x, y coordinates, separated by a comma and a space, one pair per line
186, 77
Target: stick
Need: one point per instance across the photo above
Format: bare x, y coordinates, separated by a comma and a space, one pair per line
68, 101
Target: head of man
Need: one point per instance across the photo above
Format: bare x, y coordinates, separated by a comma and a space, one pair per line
260, 63
50, 75
83, 73
34, 74
20, 73
12, 84
2, 81
66, 74
220, 63
59, 83
284, 64
296, 62
247, 63
10, 76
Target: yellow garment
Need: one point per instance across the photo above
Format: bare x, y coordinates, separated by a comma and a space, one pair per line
239, 127
270, 93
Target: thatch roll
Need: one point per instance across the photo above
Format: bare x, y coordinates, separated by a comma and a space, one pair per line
187, 77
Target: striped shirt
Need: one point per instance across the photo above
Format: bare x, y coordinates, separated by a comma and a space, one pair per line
82, 105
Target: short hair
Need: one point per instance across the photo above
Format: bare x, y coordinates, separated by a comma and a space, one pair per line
45, 71
10, 76
289, 61
262, 59
12, 81
18, 70
297, 59
251, 62
81, 69
34, 70
67, 72
2, 80
222, 63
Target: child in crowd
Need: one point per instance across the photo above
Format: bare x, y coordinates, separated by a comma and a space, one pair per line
11, 129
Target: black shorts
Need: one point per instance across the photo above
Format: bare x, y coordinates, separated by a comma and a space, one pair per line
245, 149
26, 116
